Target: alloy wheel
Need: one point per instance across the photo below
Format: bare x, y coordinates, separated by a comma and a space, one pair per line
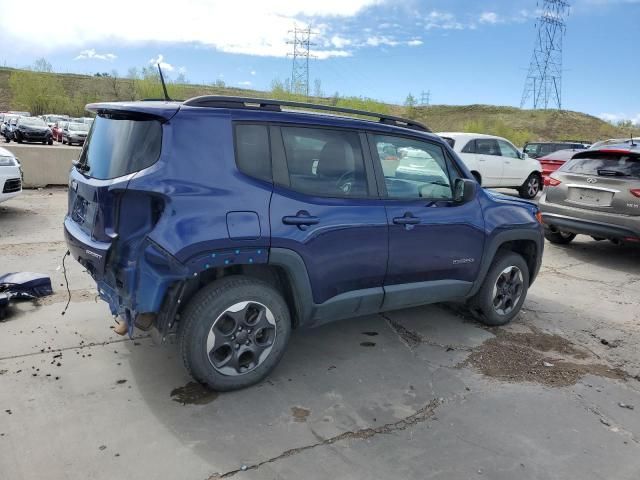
507, 290
241, 338
533, 186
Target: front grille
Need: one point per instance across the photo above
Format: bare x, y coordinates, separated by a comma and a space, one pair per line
12, 185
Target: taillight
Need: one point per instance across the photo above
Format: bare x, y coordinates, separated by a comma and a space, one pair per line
635, 192
551, 182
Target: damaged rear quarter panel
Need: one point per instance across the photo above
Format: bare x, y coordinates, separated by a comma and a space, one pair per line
197, 184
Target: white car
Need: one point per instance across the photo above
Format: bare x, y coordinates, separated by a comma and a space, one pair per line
495, 162
10, 175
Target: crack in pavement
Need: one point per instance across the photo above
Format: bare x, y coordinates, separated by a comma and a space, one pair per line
78, 347
412, 339
419, 416
606, 421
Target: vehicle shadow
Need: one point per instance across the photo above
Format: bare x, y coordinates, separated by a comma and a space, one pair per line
343, 377
605, 254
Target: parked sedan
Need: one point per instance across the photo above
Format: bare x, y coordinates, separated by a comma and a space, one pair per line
596, 193
495, 162
32, 129
7, 125
51, 120
75, 133
10, 175
540, 149
550, 163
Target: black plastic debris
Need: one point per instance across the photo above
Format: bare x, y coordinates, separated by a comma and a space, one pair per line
22, 286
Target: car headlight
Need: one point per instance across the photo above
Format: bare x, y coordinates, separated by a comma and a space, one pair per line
8, 162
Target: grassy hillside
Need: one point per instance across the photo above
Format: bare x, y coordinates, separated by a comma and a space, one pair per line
516, 124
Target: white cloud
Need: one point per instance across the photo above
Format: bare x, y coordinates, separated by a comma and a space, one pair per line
415, 42
376, 41
253, 73
616, 117
442, 20
254, 27
91, 54
159, 60
245, 83
489, 17
340, 42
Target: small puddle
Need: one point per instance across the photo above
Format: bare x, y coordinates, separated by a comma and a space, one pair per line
193, 393
368, 344
370, 334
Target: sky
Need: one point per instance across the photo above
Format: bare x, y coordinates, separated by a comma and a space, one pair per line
461, 51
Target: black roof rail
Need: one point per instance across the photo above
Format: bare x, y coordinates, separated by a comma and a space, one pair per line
221, 101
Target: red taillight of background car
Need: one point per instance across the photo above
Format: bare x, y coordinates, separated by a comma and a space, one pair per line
635, 192
551, 182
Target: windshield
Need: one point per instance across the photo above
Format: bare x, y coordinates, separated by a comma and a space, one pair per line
33, 122
79, 127
610, 165
117, 147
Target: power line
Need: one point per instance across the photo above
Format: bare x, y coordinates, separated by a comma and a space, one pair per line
544, 79
300, 66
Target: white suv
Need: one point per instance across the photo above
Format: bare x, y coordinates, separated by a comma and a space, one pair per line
10, 175
495, 162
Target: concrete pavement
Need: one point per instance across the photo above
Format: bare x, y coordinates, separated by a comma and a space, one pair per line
418, 393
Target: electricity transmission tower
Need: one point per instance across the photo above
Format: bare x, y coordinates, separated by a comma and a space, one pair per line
425, 97
544, 80
300, 65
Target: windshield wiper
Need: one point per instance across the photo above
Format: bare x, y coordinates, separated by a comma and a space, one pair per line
611, 173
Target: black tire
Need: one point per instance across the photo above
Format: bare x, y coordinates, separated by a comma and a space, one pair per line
559, 238
209, 306
531, 186
50, 141
483, 305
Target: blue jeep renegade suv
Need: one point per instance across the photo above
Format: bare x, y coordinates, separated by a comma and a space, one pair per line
230, 221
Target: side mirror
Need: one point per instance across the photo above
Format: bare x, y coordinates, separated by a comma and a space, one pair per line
524, 155
464, 190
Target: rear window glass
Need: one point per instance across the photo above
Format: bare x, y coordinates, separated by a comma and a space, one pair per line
117, 147
253, 156
605, 165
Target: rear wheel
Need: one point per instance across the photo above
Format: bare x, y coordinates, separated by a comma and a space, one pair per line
530, 188
234, 332
503, 292
559, 238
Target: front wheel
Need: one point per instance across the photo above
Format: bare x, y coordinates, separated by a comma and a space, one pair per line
559, 238
503, 292
234, 332
531, 186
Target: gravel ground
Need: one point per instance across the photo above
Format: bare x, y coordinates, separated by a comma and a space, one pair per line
418, 393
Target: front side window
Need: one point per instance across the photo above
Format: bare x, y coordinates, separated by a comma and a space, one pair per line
323, 162
253, 155
120, 146
413, 168
508, 150
487, 146
470, 147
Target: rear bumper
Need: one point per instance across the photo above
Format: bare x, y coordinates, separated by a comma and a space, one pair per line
563, 223
89, 253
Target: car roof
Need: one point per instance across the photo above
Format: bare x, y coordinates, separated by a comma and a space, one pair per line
619, 148
564, 154
167, 109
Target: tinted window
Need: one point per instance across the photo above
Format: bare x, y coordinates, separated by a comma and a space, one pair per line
325, 162
253, 155
412, 168
487, 146
605, 165
531, 148
508, 150
450, 141
470, 147
116, 147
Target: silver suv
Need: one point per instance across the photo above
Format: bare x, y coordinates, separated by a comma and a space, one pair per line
596, 193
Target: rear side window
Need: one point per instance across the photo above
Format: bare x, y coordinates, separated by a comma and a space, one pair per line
605, 165
470, 147
487, 146
120, 146
253, 155
324, 162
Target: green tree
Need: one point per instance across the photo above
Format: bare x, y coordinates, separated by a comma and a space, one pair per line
38, 93
42, 65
